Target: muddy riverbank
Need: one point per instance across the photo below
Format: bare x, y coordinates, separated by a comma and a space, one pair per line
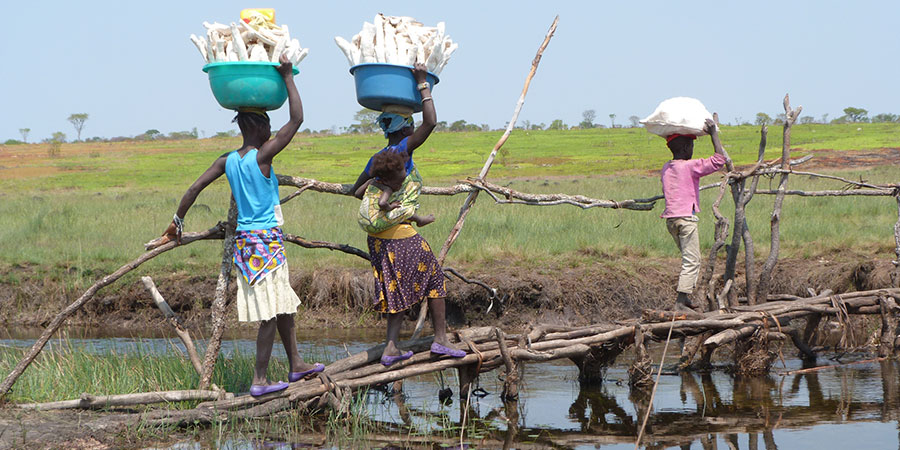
589, 288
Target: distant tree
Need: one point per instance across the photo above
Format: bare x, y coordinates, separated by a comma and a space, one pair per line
227, 134
885, 117
459, 125
825, 118
24, 132
763, 119
78, 121
441, 126
806, 120
13, 142
779, 119
856, 114
635, 121
558, 124
587, 118
182, 135
526, 124
538, 126
365, 121
612, 120
485, 127
152, 134
56, 141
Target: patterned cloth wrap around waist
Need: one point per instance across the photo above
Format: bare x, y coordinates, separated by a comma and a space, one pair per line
373, 220
258, 253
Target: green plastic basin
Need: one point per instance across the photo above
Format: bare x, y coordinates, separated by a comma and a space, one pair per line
247, 84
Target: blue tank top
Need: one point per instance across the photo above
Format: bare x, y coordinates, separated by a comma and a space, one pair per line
258, 203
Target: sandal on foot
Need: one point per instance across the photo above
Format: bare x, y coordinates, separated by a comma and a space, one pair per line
257, 390
297, 376
442, 350
387, 361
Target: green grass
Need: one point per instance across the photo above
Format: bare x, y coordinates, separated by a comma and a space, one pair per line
65, 372
92, 216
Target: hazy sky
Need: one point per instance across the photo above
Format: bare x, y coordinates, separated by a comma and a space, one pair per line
131, 66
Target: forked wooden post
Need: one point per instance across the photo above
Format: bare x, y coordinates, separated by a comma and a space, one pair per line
765, 277
470, 199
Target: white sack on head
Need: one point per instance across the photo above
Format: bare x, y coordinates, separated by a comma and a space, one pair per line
678, 115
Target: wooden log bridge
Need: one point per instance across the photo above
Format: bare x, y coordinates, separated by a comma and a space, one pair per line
591, 348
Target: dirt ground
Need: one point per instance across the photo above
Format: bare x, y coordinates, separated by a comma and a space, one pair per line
590, 289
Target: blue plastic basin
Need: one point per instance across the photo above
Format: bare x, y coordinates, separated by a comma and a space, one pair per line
379, 84
247, 84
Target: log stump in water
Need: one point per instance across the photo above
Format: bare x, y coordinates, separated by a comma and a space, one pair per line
640, 374
752, 356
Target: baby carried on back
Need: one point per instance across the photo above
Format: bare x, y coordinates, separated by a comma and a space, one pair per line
391, 196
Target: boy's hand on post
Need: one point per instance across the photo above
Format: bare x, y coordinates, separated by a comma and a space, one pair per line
710, 127
286, 69
419, 71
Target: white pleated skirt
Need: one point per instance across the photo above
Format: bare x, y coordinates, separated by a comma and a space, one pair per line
267, 298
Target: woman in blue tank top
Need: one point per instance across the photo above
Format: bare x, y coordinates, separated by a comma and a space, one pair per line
264, 293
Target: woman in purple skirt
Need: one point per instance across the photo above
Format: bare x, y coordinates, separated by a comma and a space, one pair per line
405, 269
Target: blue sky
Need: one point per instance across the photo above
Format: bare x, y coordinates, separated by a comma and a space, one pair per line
131, 66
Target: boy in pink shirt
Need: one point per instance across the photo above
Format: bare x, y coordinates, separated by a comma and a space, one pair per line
681, 188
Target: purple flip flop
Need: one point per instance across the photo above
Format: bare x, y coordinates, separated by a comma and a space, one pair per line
387, 361
441, 350
297, 376
257, 390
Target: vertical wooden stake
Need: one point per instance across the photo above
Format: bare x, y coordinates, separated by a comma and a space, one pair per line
470, 199
765, 278
220, 299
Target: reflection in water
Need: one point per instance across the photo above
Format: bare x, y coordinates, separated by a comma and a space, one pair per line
843, 408
853, 407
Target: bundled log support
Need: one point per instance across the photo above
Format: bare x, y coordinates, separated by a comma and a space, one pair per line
640, 374
889, 342
511, 376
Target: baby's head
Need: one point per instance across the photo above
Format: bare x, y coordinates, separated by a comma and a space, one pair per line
389, 167
681, 145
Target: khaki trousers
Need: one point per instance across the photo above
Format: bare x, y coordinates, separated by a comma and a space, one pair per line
684, 231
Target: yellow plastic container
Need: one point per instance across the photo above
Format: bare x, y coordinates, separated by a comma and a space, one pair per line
267, 13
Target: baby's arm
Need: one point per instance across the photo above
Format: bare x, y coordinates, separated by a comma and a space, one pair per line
358, 193
383, 201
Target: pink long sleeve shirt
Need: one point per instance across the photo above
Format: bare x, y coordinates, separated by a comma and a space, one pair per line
681, 183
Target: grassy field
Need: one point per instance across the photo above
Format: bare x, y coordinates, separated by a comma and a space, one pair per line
66, 371
83, 214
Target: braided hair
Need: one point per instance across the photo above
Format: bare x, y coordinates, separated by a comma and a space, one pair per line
251, 120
